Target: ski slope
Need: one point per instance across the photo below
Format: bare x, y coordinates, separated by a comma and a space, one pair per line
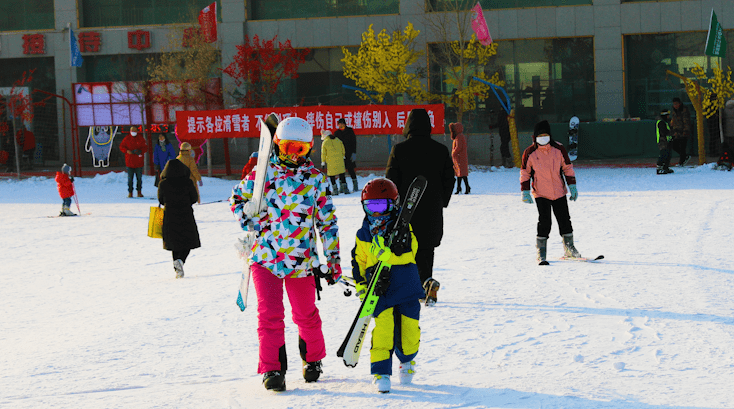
92, 316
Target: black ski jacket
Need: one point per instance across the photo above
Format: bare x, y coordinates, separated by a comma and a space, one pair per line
177, 193
421, 155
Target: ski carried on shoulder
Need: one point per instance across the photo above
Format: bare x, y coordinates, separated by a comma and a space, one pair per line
267, 129
353, 342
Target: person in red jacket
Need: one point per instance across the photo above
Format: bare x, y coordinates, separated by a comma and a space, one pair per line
459, 156
134, 147
250, 165
65, 184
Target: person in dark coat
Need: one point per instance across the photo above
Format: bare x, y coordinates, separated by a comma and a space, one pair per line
163, 151
349, 139
504, 129
421, 155
177, 193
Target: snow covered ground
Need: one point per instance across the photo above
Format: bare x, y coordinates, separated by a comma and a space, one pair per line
92, 316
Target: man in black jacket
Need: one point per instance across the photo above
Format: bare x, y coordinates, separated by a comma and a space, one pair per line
349, 139
421, 155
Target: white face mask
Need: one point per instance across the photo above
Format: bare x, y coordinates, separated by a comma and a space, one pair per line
133, 133
543, 140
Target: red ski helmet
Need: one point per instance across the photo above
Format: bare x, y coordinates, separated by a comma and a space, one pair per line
380, 188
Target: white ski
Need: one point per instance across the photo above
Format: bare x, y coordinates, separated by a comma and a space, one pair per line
261, 172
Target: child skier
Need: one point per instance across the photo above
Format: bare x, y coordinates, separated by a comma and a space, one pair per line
65, 184
332, 158
284, 252
546, 164
398, 308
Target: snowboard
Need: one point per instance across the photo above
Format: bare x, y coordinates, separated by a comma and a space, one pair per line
399, 232
267, 130
573, 138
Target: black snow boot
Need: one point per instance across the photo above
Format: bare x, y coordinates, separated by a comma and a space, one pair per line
541, 245
274, 381
312, 371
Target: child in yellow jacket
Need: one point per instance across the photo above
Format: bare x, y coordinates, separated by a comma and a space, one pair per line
398, 309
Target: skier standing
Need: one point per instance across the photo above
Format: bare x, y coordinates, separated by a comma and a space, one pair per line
421, 155
349, 139
459, 156
332, 158
680, 126
664, 137
398, 308
65, 185
134, 147
284, 253
546, 164
177, 193
163, 151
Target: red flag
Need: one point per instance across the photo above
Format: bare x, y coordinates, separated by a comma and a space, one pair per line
479, 25
208, 23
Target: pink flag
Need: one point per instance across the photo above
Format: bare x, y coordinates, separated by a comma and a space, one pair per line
208, 23
479, 25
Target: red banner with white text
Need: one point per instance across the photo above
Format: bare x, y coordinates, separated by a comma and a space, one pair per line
244, 122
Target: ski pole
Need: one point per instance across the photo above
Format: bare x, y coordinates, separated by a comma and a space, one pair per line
216, 201
76, 200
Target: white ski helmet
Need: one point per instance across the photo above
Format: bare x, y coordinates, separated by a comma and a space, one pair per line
294, 129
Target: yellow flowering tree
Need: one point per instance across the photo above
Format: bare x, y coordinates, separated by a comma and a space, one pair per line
381, 64
720, 88
461, 60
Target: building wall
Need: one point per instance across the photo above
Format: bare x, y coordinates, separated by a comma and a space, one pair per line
606, 20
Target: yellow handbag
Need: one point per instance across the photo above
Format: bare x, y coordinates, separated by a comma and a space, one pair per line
155, 222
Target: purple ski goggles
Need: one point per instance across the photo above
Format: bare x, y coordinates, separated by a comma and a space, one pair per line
378, 206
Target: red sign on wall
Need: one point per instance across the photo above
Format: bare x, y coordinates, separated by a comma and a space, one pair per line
34, 44
89, 41
244, 122
138, 39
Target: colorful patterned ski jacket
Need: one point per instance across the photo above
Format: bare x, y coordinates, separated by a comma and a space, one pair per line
296, 201
546, 166
405, 282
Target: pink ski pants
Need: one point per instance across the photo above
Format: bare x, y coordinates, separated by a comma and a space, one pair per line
271, 315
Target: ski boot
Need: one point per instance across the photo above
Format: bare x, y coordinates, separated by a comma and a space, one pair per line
382, 382
540, 244
178, 267
274, 381
569, 250
312, 371
65, 211
431, 287
407, 370
343, 188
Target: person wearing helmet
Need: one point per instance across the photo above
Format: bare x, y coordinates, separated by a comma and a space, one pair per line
65, 185
398, 308
134, 147
187, 156
284, 254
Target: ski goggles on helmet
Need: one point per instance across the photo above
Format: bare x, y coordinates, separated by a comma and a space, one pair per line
378, 206
298, 148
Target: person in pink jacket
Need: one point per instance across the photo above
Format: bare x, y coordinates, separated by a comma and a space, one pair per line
546, 168
459, 156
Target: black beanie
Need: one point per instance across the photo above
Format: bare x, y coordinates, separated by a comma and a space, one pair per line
541, 127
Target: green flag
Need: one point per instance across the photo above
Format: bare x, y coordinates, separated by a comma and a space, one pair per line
715, 40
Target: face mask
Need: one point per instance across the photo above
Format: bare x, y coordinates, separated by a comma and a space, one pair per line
133, 133
542, 140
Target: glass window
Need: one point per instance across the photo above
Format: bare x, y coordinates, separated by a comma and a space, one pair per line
45, 121
551, 79
26, 15
286, 9
122, 67
111, 13
443, 5
647, 58
319, 81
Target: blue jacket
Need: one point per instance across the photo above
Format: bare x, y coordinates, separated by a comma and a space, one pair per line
405, 282
160, 158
